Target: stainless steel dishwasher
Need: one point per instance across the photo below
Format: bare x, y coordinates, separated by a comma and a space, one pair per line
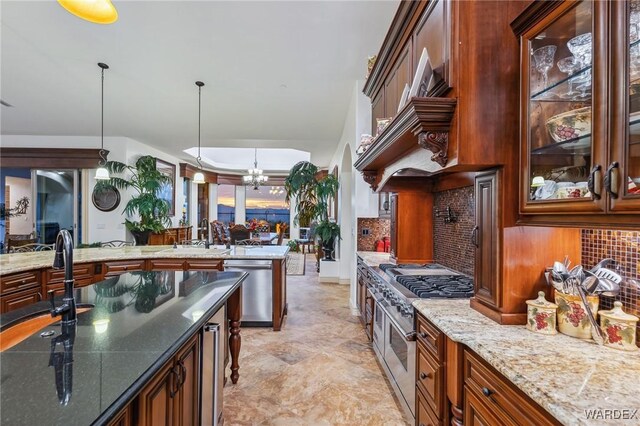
257, 291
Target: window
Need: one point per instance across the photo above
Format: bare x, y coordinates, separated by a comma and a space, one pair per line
227, 203
186, 191
267, 204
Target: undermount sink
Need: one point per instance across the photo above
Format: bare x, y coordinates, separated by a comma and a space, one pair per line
28, 326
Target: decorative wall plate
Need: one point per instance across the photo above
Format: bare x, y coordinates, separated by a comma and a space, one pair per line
106, 198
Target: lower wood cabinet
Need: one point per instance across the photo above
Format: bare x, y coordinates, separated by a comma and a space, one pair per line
19, 299
156, 404
477, 413
172, 397
123, 418
431, 400
424, 414
504, 400
456, 386
121, 267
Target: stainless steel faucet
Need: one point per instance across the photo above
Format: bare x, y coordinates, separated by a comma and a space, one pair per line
64, 259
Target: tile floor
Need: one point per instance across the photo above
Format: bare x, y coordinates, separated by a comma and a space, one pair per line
319, 370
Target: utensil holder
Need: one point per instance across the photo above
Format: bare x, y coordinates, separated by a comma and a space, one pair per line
572, 316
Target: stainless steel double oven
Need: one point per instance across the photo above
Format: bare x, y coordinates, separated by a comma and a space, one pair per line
394, 342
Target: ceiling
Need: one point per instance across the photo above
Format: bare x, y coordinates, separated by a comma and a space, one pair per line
276, 74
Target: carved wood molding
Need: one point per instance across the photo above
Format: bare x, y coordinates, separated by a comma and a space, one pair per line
420, 115
370, 177
437, 143
533, 13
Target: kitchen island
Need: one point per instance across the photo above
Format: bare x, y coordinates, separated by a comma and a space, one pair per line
134, 356
25, 278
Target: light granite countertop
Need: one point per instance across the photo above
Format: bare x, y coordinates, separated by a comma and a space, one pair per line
18, 262
565, 375
374, 258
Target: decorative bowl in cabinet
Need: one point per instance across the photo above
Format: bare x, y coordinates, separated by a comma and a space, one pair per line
570, 125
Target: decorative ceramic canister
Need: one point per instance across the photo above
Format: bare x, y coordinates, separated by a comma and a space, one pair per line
541, 315
572, 318
619, 328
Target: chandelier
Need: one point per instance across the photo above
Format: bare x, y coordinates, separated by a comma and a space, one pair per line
255, 177
276, 190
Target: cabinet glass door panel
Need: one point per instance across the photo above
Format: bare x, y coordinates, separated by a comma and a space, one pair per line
631, 166
560, 76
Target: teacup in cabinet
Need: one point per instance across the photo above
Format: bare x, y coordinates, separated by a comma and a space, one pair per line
619, 328
541, 315
572, 317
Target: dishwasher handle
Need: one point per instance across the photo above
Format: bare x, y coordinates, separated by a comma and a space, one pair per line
247, 266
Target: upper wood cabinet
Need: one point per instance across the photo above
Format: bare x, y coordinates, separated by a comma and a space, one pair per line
580, 112
466, 119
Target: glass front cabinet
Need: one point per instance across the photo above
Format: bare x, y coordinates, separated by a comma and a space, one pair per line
580, 110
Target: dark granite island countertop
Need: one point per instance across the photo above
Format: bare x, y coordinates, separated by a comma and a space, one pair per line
139, 321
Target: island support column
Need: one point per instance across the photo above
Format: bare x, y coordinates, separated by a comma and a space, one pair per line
234, 313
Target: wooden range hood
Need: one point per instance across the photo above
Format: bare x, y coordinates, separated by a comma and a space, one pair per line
423, 124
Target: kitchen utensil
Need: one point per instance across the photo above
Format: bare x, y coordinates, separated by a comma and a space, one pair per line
608, 274
590, 282
567, 262
602, 264
607, 287
552, 281
596, 332
619, 328
559, 267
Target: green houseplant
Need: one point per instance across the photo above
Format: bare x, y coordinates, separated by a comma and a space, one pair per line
312, 196
146, 181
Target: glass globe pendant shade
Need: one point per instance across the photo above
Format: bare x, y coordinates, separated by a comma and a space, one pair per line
102, 174
96, 11
198, 178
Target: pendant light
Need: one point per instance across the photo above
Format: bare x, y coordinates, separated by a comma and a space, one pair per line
198, 177
96, 11
102, 173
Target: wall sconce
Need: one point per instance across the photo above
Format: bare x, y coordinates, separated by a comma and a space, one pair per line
448, 216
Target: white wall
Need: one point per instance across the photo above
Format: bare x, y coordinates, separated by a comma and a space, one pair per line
102, 226
356, 199
241, 201
19, 188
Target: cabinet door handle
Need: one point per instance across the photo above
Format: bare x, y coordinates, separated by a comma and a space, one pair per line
486, 391
611, 179
423, 334
594, 183
175, 383
424, 375
184, 374
474, 236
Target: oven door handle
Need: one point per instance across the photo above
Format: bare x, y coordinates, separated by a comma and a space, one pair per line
409, 336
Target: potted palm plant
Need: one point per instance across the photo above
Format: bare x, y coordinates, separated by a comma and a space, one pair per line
146, 181
312, 195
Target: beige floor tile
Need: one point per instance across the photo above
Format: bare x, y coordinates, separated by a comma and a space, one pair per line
319, 370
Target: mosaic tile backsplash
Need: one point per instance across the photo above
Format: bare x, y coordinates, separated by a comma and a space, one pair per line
452, 245
378, 228
624, 248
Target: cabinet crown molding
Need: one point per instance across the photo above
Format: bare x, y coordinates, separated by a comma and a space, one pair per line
419, 116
